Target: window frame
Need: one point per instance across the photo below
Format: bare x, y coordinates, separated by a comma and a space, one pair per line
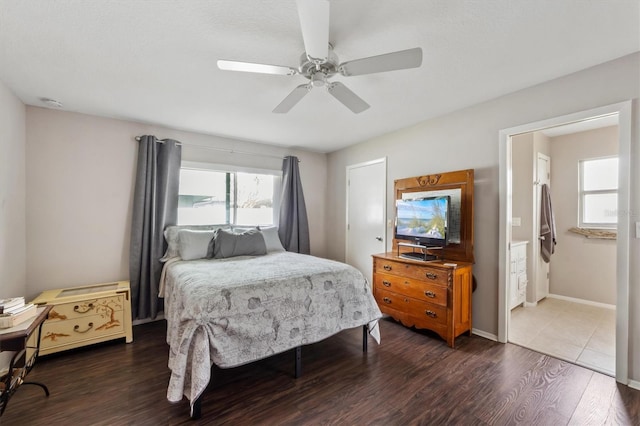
234, 170
582, 193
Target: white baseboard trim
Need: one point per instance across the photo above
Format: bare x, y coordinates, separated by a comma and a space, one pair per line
530, 304
583, 301
634, 384
484, 334
159, 317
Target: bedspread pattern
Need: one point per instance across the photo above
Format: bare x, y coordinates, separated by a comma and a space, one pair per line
237, 310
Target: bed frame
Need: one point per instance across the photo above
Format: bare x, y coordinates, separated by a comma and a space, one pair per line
197, 405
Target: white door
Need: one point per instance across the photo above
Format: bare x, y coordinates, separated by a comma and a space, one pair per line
366, 214
541, 273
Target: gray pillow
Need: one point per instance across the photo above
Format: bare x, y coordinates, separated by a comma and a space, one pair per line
228, 244
271, 238
194, 244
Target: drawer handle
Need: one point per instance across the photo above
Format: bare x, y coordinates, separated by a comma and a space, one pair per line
386, 300
76, 328
386, 283
432, 276
431, 314
86, 309
386, 267
430, 294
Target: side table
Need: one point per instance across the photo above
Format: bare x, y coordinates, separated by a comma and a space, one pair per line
15, 342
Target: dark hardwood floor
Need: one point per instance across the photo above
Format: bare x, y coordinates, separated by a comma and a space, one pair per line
411, 378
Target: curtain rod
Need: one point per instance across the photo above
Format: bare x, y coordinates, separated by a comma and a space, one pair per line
213, 148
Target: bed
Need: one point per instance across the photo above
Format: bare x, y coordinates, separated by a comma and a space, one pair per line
236, 308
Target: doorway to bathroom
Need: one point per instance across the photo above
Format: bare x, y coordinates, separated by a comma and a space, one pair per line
568, 310
576, 318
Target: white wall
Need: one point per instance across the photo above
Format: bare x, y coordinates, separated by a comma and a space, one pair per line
469, 139
524, 155
80, 180
12, 195
581, 267
522, 184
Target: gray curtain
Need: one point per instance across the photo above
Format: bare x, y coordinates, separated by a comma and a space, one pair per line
155, 206
293, 226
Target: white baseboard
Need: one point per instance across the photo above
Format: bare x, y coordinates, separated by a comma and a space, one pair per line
634, 384
582, 301
530, 304
484, 334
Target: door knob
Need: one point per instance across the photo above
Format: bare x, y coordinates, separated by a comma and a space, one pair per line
379, 238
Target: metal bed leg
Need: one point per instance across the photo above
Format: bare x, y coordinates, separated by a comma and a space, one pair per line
298, 372
46, 389
197, 408
365, 338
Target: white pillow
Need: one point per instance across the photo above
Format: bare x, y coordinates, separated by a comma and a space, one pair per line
171, 237
271, 239
194, 244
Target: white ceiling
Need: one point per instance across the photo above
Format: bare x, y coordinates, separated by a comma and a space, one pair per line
155, 61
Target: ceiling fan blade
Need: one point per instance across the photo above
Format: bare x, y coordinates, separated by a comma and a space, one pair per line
347, 97
257, 68
292, 98
314, 22
403, 59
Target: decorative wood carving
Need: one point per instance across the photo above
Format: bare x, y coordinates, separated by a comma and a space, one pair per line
462, 181
428, 180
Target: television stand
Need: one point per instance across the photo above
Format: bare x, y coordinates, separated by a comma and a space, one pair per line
418, 255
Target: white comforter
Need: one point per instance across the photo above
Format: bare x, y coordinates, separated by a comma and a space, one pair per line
237, 310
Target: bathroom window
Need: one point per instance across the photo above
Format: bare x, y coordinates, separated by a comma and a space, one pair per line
598, 203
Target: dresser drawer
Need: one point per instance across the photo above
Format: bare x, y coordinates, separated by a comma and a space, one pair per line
84, 308
421, 311
75, 331
410, 270
417, 289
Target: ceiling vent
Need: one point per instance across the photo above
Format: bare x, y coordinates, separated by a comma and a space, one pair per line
51, 103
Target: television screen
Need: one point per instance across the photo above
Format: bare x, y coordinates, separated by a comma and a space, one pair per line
423, 220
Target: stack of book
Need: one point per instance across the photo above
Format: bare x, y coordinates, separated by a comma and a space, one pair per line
14, 311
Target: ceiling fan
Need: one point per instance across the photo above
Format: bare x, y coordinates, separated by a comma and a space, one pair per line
319, 63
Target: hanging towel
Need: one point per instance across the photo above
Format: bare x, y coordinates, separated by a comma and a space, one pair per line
547, 225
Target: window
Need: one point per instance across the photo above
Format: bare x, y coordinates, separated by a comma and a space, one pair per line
208, 196
599, 193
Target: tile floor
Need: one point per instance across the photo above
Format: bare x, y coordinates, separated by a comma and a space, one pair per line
578, 333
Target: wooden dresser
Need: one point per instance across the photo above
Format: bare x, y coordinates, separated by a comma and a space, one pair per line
428, 295
85, 315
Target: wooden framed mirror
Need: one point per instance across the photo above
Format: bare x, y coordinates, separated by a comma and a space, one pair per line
458, 185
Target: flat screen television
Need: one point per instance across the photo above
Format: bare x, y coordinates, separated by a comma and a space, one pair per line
423, 221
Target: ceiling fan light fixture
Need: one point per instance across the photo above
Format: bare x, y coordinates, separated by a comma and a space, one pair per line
318, 79
319, 64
